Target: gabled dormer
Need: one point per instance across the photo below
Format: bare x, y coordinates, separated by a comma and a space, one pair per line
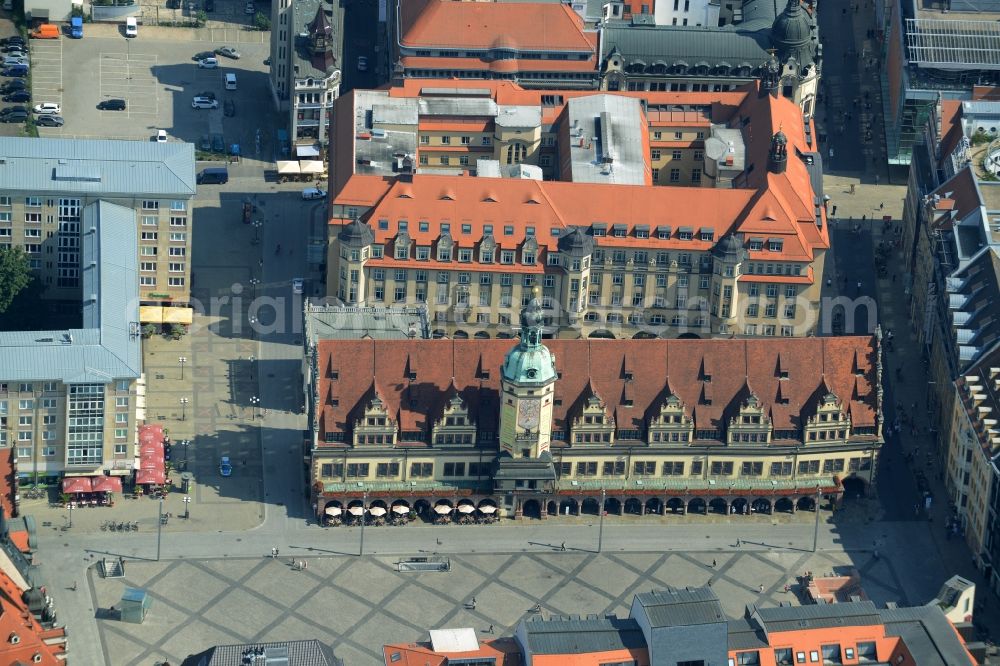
445, 246
830, 423
374, 425
455, 426
669, 422
529, 251
750, 425
487, 249
401, 246
593, 424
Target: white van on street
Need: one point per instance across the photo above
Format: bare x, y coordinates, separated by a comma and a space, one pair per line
131, 27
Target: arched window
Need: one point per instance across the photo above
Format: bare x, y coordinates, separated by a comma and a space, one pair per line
516, 152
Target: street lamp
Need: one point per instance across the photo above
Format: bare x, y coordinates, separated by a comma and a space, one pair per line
600, 529
185, 442
819, 497
364, 506
253, 320
182, 360
253, 283
257, 224
187, 507
184, 402
254, 401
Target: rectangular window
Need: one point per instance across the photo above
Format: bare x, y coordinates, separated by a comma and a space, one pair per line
644, 468
387, 470
421, 470
586, 468
357, 470
454, 469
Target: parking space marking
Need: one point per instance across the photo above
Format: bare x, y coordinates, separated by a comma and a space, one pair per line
127, 76
47, 71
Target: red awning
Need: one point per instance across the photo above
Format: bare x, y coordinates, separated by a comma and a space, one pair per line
77, 484
151, 433
107, 484
147, 476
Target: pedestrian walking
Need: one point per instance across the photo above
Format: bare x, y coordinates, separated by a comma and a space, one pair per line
563, 546
74, 586
738, 543
491, 628
305, 565
852, 188
787, 588
834, 213
713, 563
274, 553
881, 206
760, 588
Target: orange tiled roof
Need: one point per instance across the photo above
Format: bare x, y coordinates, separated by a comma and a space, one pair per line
842, 365
483, 25
15, 618
418, 62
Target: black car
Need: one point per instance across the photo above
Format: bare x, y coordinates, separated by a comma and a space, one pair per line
15, 72
16, 39
49, 121
13, 86
19, 117
13, 48
229, 108
203, 54
112, 105
18, 96
209, 95
13, 109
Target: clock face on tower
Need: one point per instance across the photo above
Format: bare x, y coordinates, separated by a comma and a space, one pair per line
527, 414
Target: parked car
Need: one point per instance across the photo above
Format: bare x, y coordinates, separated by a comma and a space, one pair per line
225, 467
206, 94
249, 9
13, 109
201, 55
131, 27
49, 121
362, 64
18, 117
204, 103
15, 72
298, 285
218, 144
15, 39
228, 51
11, 59
229, 108
313, 193
12, 86
47, 109
208, 63
14, 48
161, 136
18, 96
111, 105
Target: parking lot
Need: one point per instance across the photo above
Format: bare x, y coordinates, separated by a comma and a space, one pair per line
157, 79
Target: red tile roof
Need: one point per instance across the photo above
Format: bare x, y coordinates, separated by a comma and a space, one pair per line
845, 366
766, 204
48, 644
422, 62
483, 25
505, 652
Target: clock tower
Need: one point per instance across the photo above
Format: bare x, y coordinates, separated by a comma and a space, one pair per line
527, 385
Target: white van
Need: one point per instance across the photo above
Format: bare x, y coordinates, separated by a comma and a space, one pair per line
131, 27
230, 82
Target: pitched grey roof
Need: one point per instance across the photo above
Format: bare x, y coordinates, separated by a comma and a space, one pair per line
573, 635
794, 618
674, 607
98, 167
927, 633
106, 347
289, 653
691, 44
743, 635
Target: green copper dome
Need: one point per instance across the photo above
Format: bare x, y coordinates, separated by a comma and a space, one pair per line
530, 362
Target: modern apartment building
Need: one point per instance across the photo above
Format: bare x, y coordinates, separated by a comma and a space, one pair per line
684, 49
533, 428
734, 241
690, 626
538, 45
45, 185
68, 398
307, 42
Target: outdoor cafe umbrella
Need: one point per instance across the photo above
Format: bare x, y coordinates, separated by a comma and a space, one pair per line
442, 509
356, 510
489, 508
377, 511
333, 511
401, 509
466, 508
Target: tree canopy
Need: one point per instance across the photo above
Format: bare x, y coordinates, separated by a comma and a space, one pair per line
15, 275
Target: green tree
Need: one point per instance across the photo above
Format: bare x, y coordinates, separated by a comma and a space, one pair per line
15, 275
261, 21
